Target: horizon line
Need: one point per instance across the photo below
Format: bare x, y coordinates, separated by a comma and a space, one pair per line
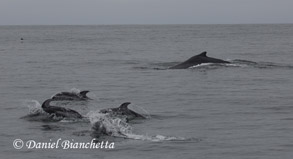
144, 24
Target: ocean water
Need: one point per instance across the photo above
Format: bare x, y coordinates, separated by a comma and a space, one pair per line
240, 110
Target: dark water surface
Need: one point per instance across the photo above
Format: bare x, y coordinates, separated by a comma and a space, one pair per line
242, 110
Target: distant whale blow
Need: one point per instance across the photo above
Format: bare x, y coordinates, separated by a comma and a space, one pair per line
196, 60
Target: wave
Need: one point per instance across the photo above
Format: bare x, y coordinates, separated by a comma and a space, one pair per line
237, 63
261, 65
243, 64
155, 138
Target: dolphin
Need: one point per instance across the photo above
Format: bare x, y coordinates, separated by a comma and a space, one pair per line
123, 111
81, 96
196, 60
100, 129
59, 111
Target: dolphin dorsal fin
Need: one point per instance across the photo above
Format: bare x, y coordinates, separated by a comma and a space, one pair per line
204, 54
83, 93
124, 105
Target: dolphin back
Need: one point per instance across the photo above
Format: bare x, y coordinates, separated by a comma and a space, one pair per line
124, 105
59, 111
83, 93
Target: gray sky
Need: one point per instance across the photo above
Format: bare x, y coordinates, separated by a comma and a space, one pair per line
30, 12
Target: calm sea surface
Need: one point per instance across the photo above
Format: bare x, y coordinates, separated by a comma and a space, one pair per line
243, 110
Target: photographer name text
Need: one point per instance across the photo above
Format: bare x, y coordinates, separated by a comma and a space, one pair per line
62, 144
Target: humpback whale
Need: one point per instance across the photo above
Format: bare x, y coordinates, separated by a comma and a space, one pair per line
59, 111
71, 96
196, 60
123, 111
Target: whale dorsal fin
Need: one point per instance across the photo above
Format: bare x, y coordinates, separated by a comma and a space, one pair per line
203, 54
124, 105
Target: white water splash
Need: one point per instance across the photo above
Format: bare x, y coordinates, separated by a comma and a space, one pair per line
235, 65
34, 107
156, 138
113, 125
201, 65
119, 128
215, 65
74, 90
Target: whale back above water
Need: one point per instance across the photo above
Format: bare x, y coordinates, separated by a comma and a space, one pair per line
196, 60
